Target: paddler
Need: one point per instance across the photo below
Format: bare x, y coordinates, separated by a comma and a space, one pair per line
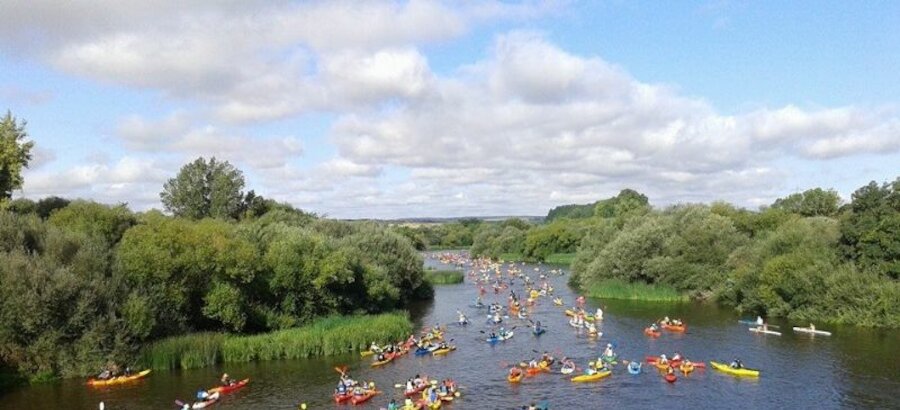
341, 389
463, 320
202, 394
608, 352
759, 321
676, 357
599, 314
812, 327
580, 301
737, 364
105, 374
663, 359
666, 321
393, 405
374, 348
226, 380
654, 327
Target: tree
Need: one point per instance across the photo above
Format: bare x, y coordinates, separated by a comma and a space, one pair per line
205, 189
812, 202
15, 153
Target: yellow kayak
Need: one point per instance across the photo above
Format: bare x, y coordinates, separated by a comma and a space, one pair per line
591, 377
558, 302
440, 352
570, 312
118, 380
734, 372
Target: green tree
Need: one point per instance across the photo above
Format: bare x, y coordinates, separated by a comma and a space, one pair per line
812, 202
15, 154
870, 233
205, 189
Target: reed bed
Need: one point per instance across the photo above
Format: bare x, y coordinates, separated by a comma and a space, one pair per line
325, 337
444, 277
619, 289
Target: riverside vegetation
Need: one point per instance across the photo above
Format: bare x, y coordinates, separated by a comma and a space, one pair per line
232, 277
807, 257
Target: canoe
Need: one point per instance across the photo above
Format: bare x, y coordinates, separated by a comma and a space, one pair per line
812, 332
734, 372
675, 328
768, 332
440, 352
364, 398
592, 377
118, 380
230, 388
670, 377
634, 369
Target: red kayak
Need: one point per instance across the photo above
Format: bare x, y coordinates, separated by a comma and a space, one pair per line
670, 377
229, 388
340, 398
364, 398
416, 391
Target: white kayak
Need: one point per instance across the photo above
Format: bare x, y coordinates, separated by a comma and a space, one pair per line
811, 331
768, 332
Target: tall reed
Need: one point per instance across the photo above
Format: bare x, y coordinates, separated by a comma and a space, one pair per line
619, 289
324, 337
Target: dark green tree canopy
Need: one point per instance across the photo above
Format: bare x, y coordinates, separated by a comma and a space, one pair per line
812, 202
205, 189
15, 153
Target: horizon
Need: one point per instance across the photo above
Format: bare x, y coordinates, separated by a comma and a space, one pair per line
452, 110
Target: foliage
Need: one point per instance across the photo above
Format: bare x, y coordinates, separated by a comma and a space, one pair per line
205, 189
560, 236
812, 202
562, 259
444, 277
327, 336
494, 239
15, 154
573, 211
870, 232
620, 289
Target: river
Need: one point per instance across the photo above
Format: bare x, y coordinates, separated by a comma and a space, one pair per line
854, 368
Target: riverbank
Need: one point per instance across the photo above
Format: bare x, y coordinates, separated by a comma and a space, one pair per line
559, 259
444, 277
619, 289
324, 337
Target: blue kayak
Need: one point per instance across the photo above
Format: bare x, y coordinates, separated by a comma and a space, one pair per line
634, 369
422, 352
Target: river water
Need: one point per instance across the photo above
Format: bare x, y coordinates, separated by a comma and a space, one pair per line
854, 368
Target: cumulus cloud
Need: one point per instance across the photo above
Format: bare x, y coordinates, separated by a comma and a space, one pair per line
130, 179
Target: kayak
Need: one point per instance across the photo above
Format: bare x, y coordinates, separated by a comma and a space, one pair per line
811, 331
591, 377
753, 323
570, 312
575, 324
366, 353
440, 352
515, 378
567, 370
674, 362
364, 398
558, 302
734, 372
386, 360
634, 369
674, 328
609, 359
768, 332
652, 333
118, 380
495, 340
201, 404
340, 398
422, 352
416, 391
533, 371
670, 377
229, 388
539, 331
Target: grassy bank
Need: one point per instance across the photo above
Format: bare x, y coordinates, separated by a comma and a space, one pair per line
324, 337
512, 257
618, 289
562, 259
444, 277
446, 248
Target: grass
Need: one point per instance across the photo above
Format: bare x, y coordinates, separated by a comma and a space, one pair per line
325, 337
435, 248
444, 277
562, 259
512, 257
619, 289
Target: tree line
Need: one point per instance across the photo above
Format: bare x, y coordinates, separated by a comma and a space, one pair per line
84, 284
806, 257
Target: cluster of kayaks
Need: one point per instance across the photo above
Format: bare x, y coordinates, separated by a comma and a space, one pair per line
213, 395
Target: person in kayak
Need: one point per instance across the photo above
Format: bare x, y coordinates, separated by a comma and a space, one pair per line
666, 321
759, 321
580, 301
737, 364
654, 327
341, 389
590, 370
463, 320
608, 352
547, 358
676, 356
663, 359
226, 380
497, 318
381, 357
105, 374
374, 348
599, 314
502, 333
536, 327
493, 335
393, 405
202, 394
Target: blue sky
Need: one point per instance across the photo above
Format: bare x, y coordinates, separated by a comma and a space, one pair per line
424, 108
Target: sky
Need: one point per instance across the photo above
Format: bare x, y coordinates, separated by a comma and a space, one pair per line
384, 109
